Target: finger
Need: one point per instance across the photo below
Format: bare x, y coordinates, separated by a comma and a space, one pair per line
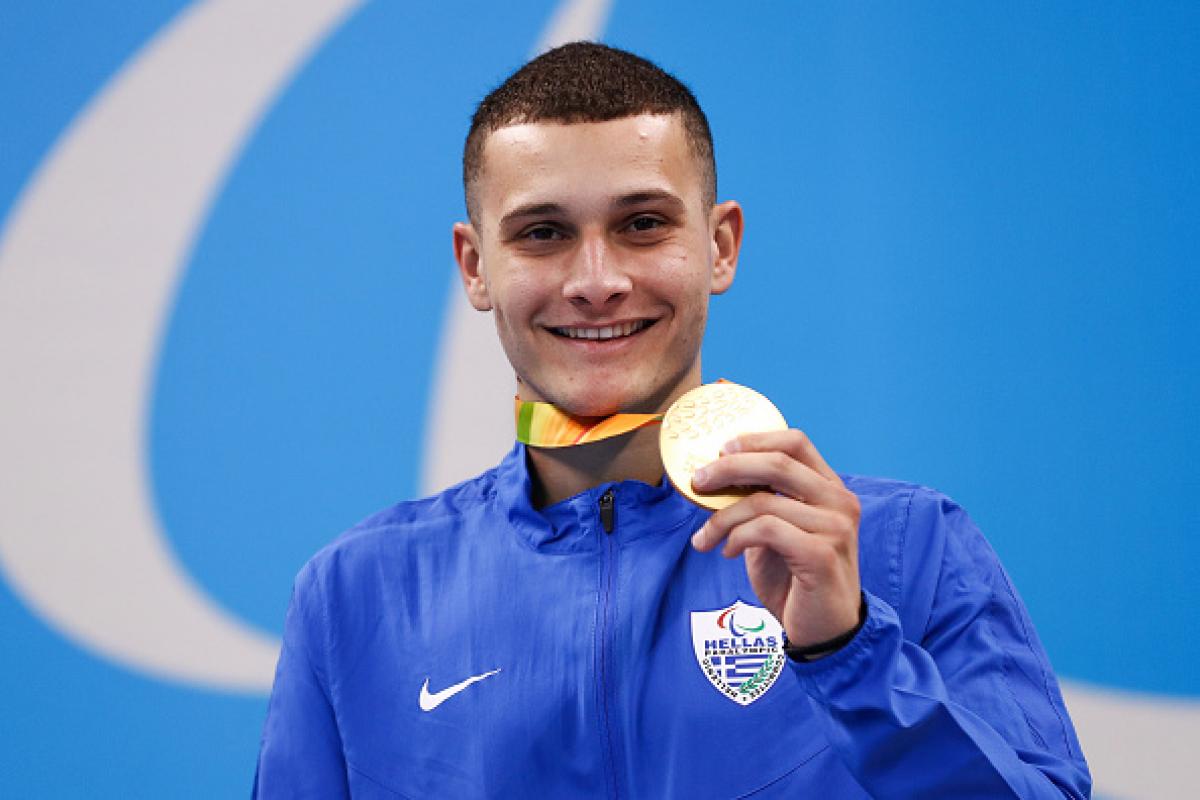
820, 520
793, 441
767, 531
774, 469
799, 549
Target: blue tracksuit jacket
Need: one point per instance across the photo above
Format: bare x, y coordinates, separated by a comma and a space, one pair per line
586, 650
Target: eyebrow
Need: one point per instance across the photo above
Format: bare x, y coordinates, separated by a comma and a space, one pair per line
532, 210
649, 196
624, 201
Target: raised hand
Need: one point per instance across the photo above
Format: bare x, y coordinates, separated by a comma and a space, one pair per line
799, 535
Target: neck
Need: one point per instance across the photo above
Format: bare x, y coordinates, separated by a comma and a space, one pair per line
562, 472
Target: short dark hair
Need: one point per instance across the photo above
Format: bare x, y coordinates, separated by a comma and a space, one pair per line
588, 82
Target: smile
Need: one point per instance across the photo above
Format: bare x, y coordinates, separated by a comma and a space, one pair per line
606, 332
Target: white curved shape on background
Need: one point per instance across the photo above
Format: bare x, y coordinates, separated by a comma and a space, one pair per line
1138, 745
470, 420
89, 265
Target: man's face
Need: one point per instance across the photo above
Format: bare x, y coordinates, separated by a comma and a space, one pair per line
595, 251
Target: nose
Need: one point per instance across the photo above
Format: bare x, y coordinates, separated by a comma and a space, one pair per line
596, 276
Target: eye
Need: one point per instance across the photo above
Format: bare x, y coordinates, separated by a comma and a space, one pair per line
644, 223
541, 233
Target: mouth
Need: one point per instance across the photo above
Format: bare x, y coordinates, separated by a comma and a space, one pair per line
617, 330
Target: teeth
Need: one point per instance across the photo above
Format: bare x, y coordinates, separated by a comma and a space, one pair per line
607, 332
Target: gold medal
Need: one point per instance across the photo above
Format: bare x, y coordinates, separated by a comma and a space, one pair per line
699, 422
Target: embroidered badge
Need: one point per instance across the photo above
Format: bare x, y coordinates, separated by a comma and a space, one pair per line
739, 649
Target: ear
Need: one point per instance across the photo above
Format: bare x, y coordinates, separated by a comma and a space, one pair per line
725, 222
470, 265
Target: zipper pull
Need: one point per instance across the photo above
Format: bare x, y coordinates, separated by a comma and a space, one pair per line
607, 511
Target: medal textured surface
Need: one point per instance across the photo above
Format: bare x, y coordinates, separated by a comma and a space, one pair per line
702, 420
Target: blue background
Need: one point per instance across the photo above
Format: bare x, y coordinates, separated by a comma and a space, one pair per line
970, 262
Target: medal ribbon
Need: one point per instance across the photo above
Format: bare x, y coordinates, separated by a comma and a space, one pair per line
543, 425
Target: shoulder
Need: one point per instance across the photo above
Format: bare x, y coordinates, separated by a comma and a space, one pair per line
899, 504
908, 534
397, 529
900, 508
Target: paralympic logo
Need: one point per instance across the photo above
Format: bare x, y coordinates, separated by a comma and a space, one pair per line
726, 622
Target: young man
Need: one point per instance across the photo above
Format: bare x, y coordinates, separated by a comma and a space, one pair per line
562, 625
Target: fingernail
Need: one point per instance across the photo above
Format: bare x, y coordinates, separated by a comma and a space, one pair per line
732, 446
698, 539
700, 476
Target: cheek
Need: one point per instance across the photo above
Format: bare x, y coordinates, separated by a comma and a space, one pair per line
687, 258
515, 297
675, 256
683, 277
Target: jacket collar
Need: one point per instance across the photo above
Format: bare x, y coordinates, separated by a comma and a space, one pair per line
573, 525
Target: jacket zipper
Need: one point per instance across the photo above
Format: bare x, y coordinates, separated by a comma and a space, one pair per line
608, 584
607, 513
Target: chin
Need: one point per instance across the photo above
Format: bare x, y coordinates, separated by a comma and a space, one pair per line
599, 403
590, 401
589, 407
608, 394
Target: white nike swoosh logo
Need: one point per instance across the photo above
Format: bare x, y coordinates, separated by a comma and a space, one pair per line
429, 702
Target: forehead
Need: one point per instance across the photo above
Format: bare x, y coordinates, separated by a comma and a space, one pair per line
581, 162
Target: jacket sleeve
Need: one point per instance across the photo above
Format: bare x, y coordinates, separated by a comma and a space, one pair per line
300, 755
966, 705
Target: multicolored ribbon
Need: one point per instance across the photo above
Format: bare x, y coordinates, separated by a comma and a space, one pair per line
543, 425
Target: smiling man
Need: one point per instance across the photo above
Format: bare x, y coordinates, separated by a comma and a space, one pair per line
596, 246
562, 625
